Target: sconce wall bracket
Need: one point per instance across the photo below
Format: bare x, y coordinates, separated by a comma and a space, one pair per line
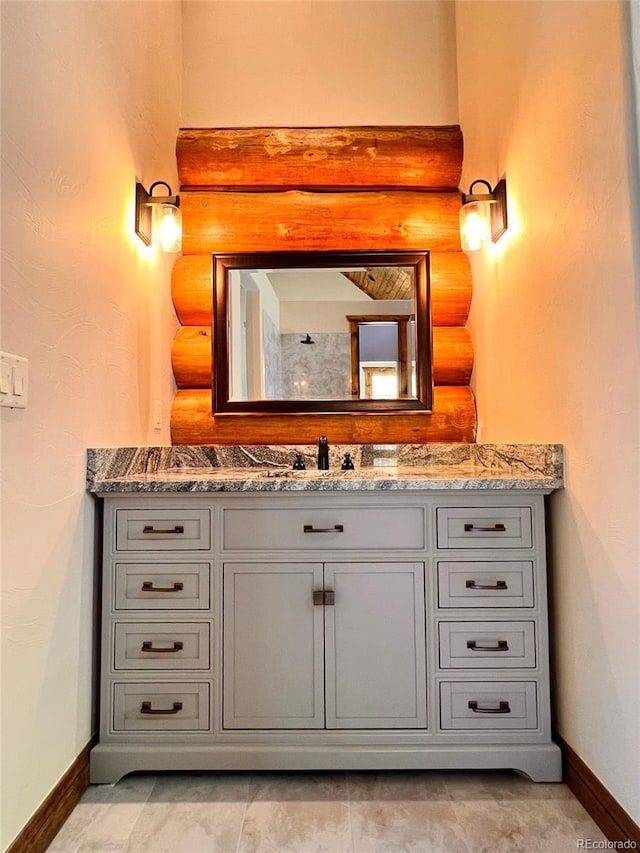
144, 215
498, 211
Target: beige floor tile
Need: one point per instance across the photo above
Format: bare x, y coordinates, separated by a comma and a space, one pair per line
103, 819
192, 813
398, 785
297, 813
391, 826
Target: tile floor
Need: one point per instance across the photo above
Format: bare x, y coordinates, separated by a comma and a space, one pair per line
390, 812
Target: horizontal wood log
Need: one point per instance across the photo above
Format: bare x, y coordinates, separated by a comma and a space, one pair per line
424, 157
452, 355
191, 356
453, 419
296, 221
450, 289
192, 289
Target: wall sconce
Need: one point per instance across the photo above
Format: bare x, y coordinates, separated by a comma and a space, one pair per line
483, 215
158, 218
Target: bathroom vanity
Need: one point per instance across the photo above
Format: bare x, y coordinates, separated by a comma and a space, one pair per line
393, 616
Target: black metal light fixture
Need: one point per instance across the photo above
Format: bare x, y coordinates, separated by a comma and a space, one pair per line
483, 215
158, 218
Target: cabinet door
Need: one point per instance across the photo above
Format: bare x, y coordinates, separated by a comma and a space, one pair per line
375, 646
272, 658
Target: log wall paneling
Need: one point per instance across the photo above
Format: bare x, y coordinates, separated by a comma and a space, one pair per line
192, 365
417, 157
453, 419
296, 221
450, 275
315, 189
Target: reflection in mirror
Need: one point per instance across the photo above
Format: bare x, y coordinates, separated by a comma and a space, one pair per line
321, 332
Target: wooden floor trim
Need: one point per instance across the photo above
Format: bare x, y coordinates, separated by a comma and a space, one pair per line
605, 810
48, 819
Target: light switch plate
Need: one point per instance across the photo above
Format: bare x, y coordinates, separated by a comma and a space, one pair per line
14, 381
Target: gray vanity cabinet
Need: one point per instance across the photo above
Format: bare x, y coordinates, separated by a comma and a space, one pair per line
334, 645
389, 628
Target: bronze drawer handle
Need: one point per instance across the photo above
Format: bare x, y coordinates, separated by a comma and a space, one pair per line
500, 646
147, 586
497, 585
321, 597
497, 528
147, 646
503, 708
149, 528
146, 708
337, 528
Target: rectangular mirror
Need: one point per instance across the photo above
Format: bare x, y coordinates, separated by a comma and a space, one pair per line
321, 332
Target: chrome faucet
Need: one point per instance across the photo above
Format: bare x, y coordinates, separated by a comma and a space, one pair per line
323, 453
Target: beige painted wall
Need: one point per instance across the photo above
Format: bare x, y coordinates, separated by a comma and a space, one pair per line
86, 108
543, 98
353, 62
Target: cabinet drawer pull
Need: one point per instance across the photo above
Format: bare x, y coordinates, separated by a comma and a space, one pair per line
503, 708
500, 646
337, 528
147, 586
497, 585
147, 646
149, 528
497, 528
321, 597
146, 708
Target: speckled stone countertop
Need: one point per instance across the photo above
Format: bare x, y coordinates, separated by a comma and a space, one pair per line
268, 468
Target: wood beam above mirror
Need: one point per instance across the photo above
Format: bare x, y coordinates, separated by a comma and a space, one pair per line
320, 157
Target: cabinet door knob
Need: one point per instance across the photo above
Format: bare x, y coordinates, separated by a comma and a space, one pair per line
470, 584
146, 708
497, 528
500, 646
147, 586
147, 646
503, 708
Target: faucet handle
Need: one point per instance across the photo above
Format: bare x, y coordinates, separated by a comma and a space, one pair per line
347, 463
298, 463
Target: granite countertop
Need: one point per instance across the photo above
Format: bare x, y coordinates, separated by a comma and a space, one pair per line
377, 467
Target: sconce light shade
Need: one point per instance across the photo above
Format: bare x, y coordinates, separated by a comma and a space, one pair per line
158, 218
483, 215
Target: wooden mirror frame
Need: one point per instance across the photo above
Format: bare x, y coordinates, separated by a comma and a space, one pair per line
223, 263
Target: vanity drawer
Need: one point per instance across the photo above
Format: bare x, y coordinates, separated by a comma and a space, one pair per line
157, 707
348, 528
487, 645
161, 645
484, 527
165, 586
163, 530
488, 705
494, 583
